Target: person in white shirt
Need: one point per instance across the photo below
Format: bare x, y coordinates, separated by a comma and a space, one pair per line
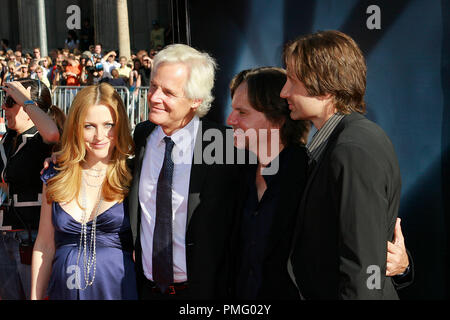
109, 63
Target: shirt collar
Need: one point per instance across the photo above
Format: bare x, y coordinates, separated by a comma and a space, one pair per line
325, 132
184, 138
28, 132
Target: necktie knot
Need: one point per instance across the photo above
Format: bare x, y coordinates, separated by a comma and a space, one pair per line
169, 144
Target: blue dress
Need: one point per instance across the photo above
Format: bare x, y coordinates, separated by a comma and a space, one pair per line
115, 277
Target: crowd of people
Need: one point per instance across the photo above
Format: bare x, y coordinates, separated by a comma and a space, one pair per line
124, 217
71, 67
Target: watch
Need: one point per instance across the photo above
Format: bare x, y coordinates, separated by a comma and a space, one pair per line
28, 102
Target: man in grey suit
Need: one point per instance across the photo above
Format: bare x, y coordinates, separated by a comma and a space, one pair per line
349, 207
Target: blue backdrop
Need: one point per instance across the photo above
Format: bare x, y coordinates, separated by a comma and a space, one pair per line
408, 94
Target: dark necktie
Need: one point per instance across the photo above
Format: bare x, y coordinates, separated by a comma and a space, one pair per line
162, 236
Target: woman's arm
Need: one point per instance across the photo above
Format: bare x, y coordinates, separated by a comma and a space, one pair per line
83, 79
138, 81
131, 78
45, 125
56, 78
43, 251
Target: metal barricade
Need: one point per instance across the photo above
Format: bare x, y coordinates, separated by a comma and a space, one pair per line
138, 106
63, 96
135, 101
2, 98
2, 113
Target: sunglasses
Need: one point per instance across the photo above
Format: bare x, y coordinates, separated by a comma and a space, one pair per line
10, 102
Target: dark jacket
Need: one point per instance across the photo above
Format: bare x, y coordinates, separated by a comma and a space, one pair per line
209, 219
347, 214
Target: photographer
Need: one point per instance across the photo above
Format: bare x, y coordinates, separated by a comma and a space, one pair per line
73, 71
60, 74
91, 74
86, 73
55, 68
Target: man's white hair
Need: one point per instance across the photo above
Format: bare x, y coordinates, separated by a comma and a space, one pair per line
201, 67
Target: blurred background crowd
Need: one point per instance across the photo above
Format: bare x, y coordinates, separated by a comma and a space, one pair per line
82, 62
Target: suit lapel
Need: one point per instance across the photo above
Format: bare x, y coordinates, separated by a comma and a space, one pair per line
140, 147
141, 144
323, 159
197, 172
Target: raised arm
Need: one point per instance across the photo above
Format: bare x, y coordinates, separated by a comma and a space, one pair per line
105, 57
45, 125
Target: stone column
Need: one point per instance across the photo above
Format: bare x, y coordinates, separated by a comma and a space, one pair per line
42, 27
124, 30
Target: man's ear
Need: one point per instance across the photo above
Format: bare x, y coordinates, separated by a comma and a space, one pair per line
327, 96
196, 103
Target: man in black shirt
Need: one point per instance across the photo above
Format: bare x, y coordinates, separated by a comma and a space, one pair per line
267, 205
145, 72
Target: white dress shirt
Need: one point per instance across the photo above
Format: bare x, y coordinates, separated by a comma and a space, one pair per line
108, 67
182, 154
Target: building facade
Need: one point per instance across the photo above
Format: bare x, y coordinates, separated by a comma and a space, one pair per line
19, 21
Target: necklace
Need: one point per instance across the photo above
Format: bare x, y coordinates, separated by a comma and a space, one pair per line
89, 259
93, 176
97, 172
93, 169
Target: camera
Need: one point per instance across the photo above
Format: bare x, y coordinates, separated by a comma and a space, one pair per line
90, 69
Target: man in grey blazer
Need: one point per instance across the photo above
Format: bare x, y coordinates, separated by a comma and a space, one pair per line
349, 207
